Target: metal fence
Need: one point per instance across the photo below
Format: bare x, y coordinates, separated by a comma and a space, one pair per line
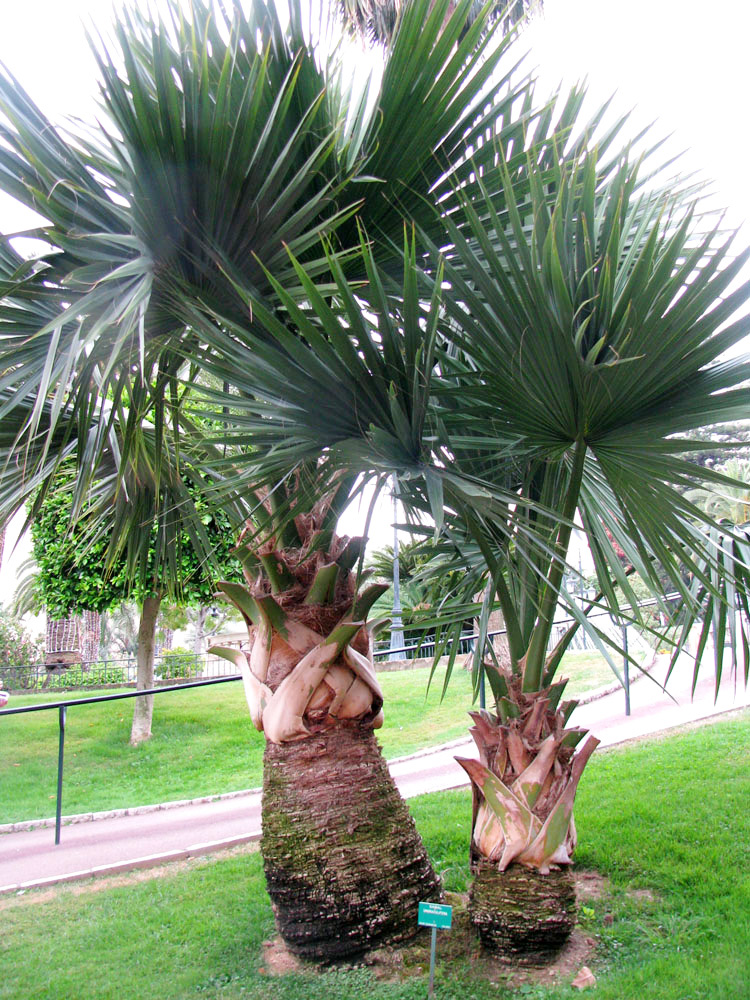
168, 669
180, 667
61, 707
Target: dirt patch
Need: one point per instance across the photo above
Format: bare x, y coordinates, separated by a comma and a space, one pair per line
590, 885
460, 944
279, 961
30, 897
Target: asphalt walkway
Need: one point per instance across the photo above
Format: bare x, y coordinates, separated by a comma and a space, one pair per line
149, 836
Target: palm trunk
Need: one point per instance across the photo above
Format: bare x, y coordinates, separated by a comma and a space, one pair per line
144, 706
520, 914
345, 866
91, 631
63, 642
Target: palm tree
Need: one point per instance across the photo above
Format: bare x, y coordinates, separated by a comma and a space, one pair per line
545, 358
329, 803
228, 140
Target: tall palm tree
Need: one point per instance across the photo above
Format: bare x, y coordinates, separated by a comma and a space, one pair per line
545, 358
227, 140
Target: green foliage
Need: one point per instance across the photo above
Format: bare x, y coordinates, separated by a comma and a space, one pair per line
95, 675
75, 572
72, 570
176, 664
16, 645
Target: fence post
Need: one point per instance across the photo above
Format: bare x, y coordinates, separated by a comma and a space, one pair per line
63, 711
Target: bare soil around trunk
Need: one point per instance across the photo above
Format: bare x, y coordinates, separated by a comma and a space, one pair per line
460, 943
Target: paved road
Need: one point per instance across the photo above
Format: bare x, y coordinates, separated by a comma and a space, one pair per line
29, 858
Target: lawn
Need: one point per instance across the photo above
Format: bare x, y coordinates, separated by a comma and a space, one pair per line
203, 742
665, 822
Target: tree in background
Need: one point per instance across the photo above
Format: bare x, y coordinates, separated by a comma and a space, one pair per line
427, 577
77, 575
378, 20
730, 502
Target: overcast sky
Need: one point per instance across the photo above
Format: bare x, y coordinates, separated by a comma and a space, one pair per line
671, 60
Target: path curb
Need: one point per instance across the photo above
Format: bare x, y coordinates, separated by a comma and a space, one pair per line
147, 861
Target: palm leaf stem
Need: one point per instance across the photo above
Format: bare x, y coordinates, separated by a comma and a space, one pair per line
509, 610
533, 664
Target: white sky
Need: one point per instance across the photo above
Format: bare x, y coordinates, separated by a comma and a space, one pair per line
683, 63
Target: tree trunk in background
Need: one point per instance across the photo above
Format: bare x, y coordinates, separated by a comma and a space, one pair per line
200, 630
167, 638
91, 630
144, 707
2, 545
345, 866
63, 642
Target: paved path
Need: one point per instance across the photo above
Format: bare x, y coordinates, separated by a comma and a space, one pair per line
29, 858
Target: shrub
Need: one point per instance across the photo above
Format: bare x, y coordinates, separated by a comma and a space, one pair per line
16, 645
177, 664
97, 675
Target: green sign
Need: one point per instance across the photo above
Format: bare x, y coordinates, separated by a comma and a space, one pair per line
434, 915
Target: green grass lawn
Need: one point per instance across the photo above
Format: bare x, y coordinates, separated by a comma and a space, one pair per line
666, 822
203, 742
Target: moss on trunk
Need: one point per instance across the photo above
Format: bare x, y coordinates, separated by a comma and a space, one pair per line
344, 864
521, 914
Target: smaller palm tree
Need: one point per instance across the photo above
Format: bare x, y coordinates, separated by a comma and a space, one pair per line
730, 502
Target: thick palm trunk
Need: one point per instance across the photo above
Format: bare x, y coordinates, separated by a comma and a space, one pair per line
144, 706
345, 866
344, 863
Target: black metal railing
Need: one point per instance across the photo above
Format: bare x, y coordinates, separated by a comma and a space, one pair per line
169, 668
185, 683
62, 715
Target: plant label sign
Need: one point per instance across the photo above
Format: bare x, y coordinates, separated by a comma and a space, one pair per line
434, 915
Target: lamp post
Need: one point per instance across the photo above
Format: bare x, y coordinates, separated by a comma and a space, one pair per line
397, 625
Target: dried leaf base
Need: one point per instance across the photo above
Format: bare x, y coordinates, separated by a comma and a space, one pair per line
521, 915
345, 866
